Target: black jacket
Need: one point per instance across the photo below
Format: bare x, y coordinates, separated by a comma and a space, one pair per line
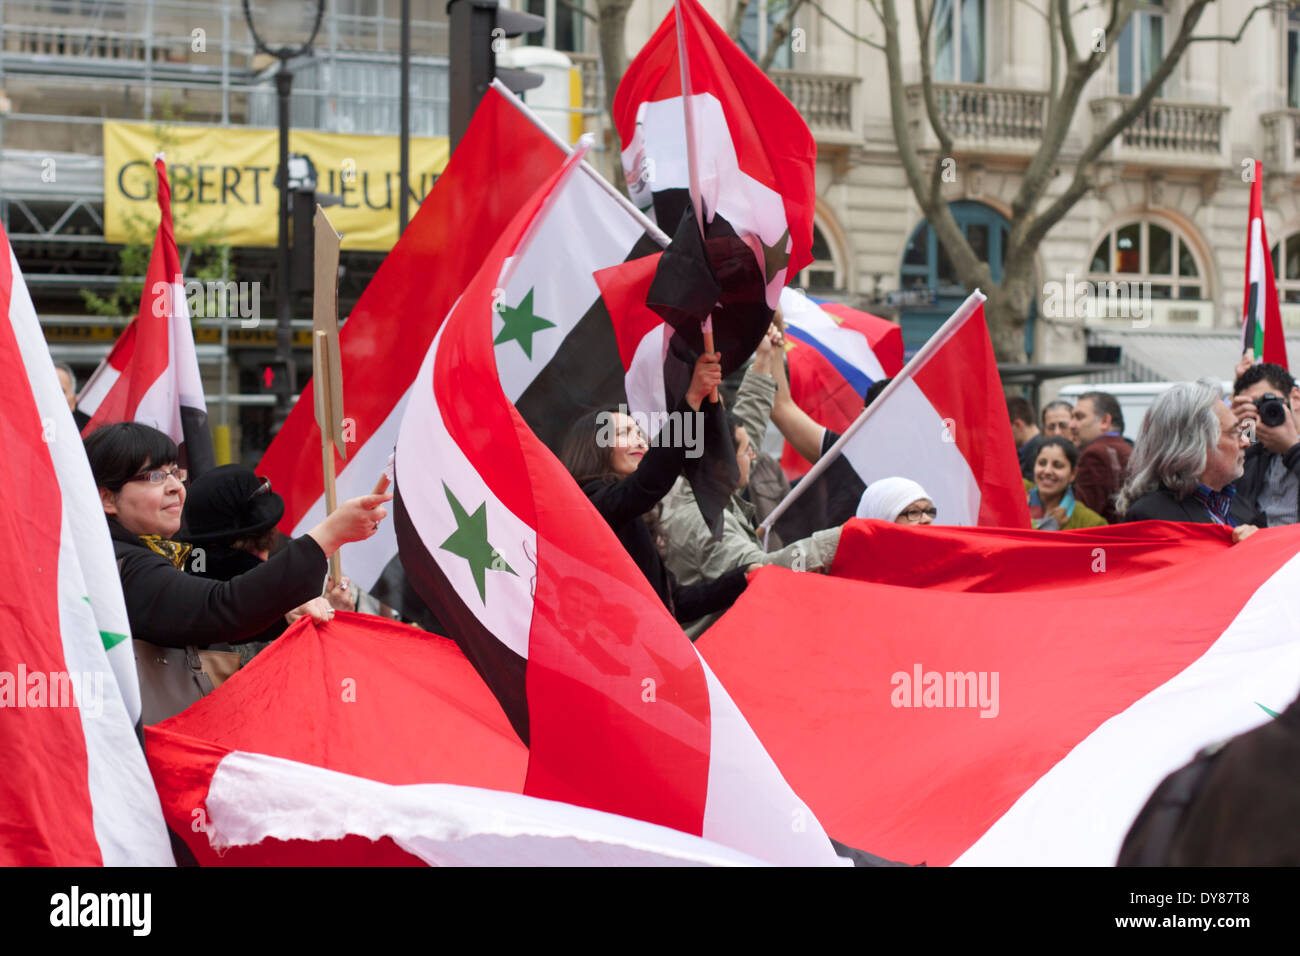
622, 504
1255, 472
220, 563
1162, 505
174, 609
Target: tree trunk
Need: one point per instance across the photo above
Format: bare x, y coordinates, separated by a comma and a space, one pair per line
1007, 311
613, 52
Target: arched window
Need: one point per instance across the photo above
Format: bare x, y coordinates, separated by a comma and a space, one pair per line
823, 274
1146, 251
1287, 269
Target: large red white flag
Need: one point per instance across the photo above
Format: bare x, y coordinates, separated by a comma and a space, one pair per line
151, 375
376, 744
756, 157
1022, 693
1261, 323
74, 790
941, 422
619, 712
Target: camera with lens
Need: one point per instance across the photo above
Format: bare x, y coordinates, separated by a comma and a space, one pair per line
1272, 409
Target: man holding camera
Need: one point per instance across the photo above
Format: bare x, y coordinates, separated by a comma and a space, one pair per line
1267, 395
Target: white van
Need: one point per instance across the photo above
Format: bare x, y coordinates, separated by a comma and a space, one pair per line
1134, 398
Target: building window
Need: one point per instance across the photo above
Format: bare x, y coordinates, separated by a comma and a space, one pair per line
1139, 252
1141, 47
959, 41
1287, 271
822, 274
761, 20
567, 29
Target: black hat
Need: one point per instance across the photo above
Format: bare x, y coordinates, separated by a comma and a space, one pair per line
229, 503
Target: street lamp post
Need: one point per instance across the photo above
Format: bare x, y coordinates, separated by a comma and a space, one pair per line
276, 27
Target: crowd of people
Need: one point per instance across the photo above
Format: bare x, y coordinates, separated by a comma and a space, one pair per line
206, 553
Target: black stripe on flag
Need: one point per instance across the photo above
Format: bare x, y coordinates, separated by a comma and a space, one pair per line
196, 454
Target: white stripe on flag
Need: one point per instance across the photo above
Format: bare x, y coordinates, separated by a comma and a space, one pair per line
583, 231
802, 314
1078, 813
127, 816
429, 458
253, 797
907, 437
364, 561
749, 803
644, 381
725, 188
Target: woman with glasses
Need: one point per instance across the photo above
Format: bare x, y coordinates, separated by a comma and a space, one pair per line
1052, 505
142, 490
900, 500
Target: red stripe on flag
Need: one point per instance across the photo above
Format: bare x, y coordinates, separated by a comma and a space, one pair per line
782, 155
961, 382
924, 783
820, 390
46, 816
624, 288
389, 331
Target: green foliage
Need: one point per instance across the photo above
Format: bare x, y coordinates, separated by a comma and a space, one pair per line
206, 252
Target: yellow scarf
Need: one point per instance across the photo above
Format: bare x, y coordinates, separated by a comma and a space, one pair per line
174, 551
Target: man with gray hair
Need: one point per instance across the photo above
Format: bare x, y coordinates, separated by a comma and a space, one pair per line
1189, 451
68, 381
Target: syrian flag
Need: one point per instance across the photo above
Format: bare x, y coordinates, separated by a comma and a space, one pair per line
553, 302
756, 155
619, 712
151, 376
941, 422
75, 790
1026, 692
834, 354
1261, 325
377, 744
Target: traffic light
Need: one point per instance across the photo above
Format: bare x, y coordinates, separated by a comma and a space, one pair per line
479, 30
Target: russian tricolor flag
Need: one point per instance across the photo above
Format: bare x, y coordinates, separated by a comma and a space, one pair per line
834, 355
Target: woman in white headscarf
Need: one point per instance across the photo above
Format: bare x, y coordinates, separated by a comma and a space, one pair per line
900, 500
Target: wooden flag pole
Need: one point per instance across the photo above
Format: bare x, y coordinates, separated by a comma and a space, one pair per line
327, 373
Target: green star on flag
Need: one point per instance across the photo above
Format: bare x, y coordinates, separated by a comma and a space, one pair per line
521, 323
470, 542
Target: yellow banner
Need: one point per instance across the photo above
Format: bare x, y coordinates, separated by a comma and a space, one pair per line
223, 182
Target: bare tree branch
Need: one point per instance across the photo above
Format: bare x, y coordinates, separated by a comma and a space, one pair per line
579, 8
737, 18
1038, 227
927, 78
1277, 5
779, 34
1054, 76
845, 30
1067, 32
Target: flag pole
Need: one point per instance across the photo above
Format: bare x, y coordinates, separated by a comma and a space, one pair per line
692, 159
327, 371
935, 342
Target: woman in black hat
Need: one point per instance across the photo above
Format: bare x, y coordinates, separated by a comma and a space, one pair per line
230, 518
143, 491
